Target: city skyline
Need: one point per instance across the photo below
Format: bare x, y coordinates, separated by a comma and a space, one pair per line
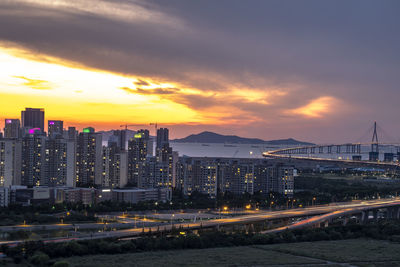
321, 72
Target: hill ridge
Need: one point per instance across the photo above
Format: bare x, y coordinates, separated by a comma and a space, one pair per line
211, 137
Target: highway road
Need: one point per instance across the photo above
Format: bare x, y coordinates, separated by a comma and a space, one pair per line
332, 215
324, 211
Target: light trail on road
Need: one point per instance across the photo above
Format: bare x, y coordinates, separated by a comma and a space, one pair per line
324, 212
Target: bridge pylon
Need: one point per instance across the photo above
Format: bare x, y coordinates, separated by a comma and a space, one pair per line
374, 154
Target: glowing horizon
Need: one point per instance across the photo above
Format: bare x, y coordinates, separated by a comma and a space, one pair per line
82, 96
249, 69
96, 94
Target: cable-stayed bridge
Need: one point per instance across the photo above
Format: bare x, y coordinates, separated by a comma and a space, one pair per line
386, 155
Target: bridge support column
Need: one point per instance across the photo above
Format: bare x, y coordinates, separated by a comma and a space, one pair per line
395, 213
364, 217
375, 214
390, 213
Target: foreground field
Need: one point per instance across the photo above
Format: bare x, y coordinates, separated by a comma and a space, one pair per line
359, 252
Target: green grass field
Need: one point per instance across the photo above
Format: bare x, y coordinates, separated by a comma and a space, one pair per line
359, 252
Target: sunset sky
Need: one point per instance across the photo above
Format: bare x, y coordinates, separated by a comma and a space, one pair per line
319, 71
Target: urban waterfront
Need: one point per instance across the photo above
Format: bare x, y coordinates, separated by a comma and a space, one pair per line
199, 133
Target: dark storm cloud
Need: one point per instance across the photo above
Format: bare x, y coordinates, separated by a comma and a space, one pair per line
346, 49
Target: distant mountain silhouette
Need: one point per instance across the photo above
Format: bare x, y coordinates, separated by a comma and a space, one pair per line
210, 137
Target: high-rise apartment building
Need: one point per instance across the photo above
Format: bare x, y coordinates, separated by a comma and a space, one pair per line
71, 133
164, 160
33, 159
4, 196
285, 179
33, 118
10, 162
55, 128
238, 176
114, 166
162, 137
196, 174
137, 153
12, 128
60, 161
88, 157
119, 137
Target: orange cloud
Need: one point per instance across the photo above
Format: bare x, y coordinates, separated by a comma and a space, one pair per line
152, 91
35, 83
316, 108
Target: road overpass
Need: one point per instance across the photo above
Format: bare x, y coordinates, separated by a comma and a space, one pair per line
362, 212
322, 213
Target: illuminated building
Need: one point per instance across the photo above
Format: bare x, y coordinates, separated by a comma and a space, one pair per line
114, 166
55, 128
138, 149
139, 195
12, 128
162, 137
4, 196
88, 158
33, 159
199, 175
238, 176
33, 118
60, 160
163, 170
285, 179
10, 162
119, 136
71, 133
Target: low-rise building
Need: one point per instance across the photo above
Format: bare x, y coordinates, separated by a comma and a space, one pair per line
136, 195
76, 195
4, 196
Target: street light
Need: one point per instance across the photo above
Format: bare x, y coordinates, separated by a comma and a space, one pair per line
313, 200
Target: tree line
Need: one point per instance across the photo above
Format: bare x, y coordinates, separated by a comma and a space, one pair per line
39, 253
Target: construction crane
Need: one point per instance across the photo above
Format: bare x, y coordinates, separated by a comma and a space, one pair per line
133, 125
155, 127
